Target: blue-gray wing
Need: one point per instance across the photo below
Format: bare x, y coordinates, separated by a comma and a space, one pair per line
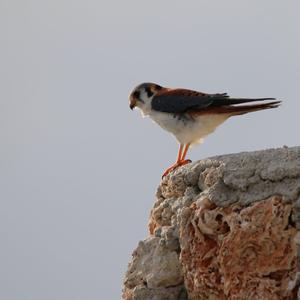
182, 100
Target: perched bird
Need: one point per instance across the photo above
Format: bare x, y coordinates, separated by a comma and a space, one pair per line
190, 115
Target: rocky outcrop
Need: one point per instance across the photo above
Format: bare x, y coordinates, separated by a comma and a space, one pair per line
223, 228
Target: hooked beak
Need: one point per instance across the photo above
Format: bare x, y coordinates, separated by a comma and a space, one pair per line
132, 103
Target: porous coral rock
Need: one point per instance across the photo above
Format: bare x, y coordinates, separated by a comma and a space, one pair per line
223, 228
239, 253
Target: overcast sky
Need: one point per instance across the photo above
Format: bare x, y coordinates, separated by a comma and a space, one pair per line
79, 170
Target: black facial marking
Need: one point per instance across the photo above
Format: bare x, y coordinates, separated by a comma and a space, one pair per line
149, 92
136, 94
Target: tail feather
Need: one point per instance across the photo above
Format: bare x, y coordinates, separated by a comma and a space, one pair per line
221, 101
235, 110
244, 109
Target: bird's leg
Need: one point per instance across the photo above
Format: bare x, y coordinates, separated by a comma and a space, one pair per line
174, 166
184, 161
180, 159
179, 153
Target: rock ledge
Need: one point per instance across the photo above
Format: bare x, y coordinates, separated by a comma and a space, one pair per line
227, 227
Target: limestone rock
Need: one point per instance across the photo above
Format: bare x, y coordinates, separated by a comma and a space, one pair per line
223, 228
239, 253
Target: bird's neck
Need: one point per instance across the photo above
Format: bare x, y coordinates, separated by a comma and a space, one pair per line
145, 109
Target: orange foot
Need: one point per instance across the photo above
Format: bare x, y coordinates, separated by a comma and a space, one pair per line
175, 166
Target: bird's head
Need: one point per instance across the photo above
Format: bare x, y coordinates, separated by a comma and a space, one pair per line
142, 95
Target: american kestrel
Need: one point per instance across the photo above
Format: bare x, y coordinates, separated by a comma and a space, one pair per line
189, 115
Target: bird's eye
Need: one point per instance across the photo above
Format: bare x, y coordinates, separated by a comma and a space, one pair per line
136, 94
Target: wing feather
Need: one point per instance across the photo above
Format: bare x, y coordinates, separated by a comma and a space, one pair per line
183, 100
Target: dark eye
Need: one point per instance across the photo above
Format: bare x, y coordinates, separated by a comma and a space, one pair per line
136, 94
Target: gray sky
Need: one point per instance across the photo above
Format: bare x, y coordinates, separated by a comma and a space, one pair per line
79, 170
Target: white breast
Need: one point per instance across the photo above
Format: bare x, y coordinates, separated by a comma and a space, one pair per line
188, 129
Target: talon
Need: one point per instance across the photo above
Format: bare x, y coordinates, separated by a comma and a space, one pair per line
175, 166
181, 161
167, 171
184, 162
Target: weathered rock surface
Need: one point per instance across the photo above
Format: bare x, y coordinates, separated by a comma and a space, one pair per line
223, 228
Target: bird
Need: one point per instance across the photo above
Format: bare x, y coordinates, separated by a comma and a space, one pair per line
190, 115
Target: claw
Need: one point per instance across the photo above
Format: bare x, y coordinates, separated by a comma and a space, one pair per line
184, 162
175, 166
